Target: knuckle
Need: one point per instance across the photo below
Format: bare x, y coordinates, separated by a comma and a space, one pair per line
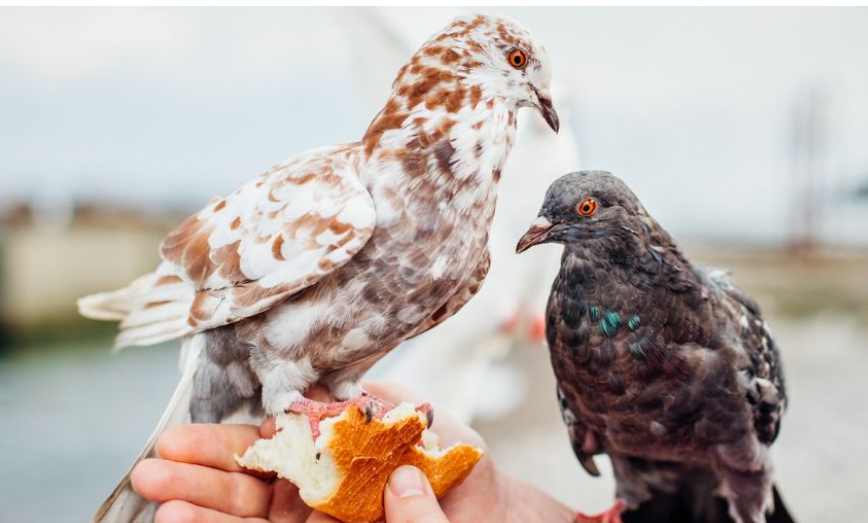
418, 510
242, 495
176, 512
150, 477
179, 441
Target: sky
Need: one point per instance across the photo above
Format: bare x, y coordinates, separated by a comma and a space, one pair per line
692, 107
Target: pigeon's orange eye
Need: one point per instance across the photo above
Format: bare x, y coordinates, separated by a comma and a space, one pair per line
517, 58
587, 207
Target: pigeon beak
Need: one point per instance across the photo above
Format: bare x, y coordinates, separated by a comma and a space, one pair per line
547, 110
538, 233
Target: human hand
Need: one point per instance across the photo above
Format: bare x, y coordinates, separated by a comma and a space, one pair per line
197, 479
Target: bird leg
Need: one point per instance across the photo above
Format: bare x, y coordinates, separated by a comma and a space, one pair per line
372, 406
612, 515
538, 328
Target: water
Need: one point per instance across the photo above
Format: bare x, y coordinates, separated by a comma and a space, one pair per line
73, 417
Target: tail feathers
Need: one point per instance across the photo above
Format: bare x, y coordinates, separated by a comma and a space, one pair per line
115, 305
153, 333
155, 314
124, 505
150, 310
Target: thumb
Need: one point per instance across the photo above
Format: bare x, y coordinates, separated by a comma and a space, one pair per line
409, 498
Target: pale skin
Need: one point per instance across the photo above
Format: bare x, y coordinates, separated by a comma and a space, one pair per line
198, 480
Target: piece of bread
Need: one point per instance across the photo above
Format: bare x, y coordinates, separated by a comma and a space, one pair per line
344, 472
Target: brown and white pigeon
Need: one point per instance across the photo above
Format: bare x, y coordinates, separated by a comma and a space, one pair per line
666, 366
317, 268
508, 312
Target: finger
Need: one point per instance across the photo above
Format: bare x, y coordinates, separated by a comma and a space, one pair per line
450, 429
320, 517
393, 392
208, 445
234, 493
286, 505
183, 512
409, 498
318, 392
267, 429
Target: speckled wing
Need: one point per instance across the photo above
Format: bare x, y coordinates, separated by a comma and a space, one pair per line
583, 440
763, 380
242, 254
458, 300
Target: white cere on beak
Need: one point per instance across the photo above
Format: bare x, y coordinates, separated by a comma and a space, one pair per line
541, 222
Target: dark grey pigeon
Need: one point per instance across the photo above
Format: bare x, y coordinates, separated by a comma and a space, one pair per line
666, 366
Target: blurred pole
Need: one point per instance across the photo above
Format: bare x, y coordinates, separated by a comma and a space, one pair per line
808, 148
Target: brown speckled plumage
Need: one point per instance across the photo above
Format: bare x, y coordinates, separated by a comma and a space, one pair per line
320, 266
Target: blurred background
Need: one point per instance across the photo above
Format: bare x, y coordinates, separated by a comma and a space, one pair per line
744, 132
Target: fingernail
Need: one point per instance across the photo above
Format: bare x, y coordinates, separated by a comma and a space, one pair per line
407, 481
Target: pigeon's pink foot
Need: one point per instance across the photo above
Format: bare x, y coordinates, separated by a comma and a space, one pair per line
316, 411
613, 515
372, 406
538, 329
511, 323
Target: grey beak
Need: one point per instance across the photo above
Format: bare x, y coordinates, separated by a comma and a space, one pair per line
547, 110
537, 234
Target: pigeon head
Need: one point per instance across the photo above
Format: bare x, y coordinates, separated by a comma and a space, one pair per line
589, 212
479, 57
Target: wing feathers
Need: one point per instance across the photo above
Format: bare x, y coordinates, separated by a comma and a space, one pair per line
240, 255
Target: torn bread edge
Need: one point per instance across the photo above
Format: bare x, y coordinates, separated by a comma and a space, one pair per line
344, 472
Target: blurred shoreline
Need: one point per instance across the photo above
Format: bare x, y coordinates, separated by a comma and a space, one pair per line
38, 302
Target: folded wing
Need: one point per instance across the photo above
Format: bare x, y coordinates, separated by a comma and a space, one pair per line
276, 235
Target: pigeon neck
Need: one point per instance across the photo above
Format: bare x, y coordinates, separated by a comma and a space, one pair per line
634, 260
456, 145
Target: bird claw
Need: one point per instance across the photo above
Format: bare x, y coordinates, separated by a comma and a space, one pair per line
371, 406
316, 411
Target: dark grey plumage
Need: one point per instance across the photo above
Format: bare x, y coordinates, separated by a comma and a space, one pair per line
666, 366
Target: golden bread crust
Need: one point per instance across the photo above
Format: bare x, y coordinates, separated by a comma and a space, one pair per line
366, 453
